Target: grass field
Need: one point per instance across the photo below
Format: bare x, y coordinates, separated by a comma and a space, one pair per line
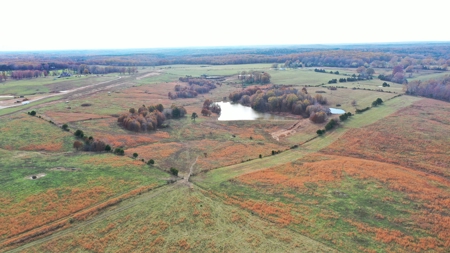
48, 84
175, 220
377, 183
65, 184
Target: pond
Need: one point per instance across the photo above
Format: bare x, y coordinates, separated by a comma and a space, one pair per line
336, 111
239, 112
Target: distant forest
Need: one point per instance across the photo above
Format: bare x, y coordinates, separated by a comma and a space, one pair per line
420, 55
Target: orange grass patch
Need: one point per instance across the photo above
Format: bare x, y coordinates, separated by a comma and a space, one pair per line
155, 150
221, 154
43, 147
124, 140
39, 209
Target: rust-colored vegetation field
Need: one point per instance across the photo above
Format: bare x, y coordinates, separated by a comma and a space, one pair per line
180, 221
384, 187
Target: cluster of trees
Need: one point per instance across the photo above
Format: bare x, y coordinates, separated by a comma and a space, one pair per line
348, 79
196, 86
433, 88
377, 102
397, 76
386, 84
174, 112
344, 117
330, 125
97, 70
22, 74
89, 143
277, 99
332, 81
320, 70
209, 107
251, 77
144, 119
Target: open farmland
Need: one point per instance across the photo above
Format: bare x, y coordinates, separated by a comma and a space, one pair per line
248, 186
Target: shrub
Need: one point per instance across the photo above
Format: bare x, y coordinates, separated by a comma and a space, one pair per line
332, 123
273, 152
135, 155
119, 151
65, 127
79, 133
173, 171
107, 148
343, 117
32, 113
320, 132
151, 162
260, 156
362, 110
77, 145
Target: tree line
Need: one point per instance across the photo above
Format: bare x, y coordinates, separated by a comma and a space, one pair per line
433, 88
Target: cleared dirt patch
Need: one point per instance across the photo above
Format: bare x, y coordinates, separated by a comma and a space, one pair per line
36, 176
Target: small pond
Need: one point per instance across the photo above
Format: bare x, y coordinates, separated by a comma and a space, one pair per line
239, 112
336, 111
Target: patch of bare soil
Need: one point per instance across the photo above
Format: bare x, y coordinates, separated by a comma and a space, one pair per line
290, 130
36, 176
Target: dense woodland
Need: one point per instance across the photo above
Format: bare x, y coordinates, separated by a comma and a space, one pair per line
434, 88
420, 55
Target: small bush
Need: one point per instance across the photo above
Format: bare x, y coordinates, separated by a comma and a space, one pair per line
107, 148
151, 162
79, 134
32, 113
173, 171
320, 132
135, 155
330, 125
65, 127
362, 110
119, 151
260, 156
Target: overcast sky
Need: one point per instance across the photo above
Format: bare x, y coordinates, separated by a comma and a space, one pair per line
93, 24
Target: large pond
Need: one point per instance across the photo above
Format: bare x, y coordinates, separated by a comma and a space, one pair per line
239, 112
336, 111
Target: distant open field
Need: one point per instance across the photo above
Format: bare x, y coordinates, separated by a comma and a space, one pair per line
353, 189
